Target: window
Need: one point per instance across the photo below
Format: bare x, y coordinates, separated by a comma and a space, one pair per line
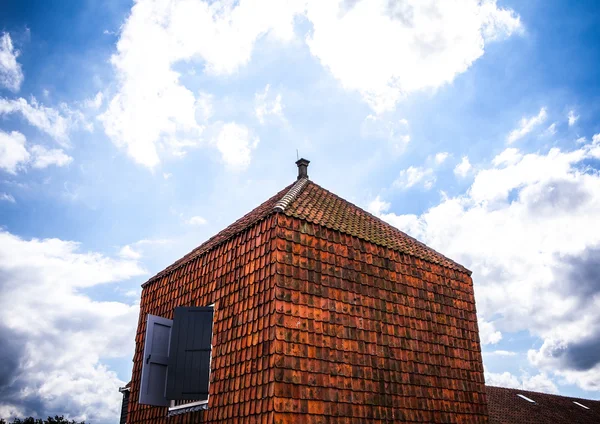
177, 356
526, 398
580, 404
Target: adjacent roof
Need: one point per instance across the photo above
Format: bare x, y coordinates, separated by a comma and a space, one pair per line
308, 201
505, 407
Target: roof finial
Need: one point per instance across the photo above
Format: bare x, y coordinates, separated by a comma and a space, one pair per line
302, 168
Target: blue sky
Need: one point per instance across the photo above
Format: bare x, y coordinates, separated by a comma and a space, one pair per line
131, 133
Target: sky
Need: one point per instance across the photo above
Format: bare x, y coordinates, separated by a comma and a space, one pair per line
132, 132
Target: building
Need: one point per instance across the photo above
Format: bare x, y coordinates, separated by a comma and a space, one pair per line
513, 406
321, 313
309, 309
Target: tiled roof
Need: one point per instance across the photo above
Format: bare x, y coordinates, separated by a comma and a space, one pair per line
505, 407
317, 205
308, 201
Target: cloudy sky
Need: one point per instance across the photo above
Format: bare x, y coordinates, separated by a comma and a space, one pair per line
131, 132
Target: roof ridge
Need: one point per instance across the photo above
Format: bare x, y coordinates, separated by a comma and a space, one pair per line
290, 196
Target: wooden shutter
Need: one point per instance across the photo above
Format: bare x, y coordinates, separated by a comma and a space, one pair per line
156, 357
189, 363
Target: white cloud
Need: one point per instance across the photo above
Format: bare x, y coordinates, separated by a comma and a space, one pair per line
488, 333
204, 107
45, 315
127, 252
463, 168
153, 242
268, 105
96, 102
167, 175
415, 175
504, 379
11, 75
441, 157
144, 123
572, 118
527, 228
501, 353
550, 357
537, 383
179, 146
132, 293
551, 130
432, 43
384, 50
378, 206
152, 108
56, 124
509, 156
43, 157
387, 128
5, 197
13, 154
196, 220
235, 143
526, 125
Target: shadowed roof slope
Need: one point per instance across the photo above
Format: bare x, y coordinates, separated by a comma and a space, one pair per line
309, 201
505, 407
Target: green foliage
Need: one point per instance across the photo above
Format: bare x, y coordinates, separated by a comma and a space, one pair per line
49, 420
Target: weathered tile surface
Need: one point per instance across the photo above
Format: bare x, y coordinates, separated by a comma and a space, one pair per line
367, 334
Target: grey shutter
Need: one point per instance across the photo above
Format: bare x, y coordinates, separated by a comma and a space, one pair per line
189, 363
156, 356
